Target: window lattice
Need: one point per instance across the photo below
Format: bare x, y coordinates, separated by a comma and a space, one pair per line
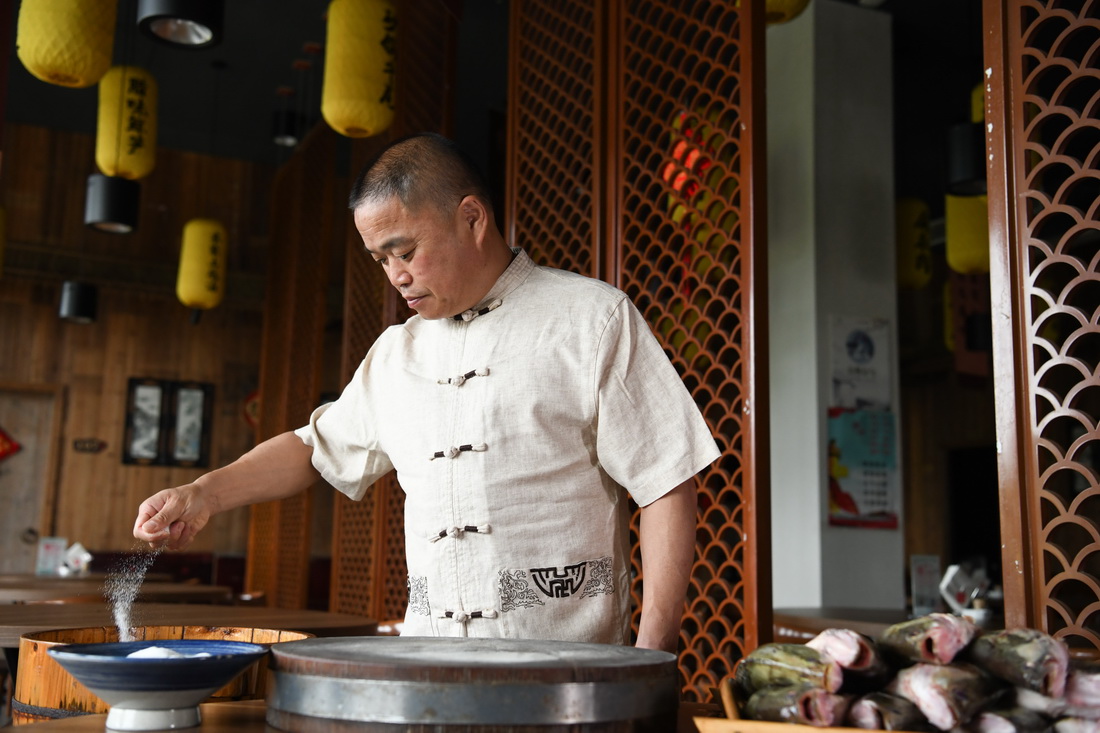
627, 163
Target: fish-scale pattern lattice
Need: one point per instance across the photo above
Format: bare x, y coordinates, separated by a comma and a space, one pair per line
681, 260
553, 138
1059, 123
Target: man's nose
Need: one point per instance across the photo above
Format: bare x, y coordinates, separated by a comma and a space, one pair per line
399, 275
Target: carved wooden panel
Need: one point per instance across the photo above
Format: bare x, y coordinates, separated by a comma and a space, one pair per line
368, 565
635, 132
1043, 137
292, 366
553, 177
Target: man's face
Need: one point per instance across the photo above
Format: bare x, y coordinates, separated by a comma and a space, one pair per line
426, 255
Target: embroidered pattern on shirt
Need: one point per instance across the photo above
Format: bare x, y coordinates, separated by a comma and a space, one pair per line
601, 581
559, 582
418, 595
516, 591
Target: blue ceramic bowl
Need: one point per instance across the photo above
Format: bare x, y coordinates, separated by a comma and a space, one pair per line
156, 693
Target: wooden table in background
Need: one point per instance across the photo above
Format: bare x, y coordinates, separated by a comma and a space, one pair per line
798, 625
47, 588
94, 575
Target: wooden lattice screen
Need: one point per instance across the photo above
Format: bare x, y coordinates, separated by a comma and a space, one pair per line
291, 366
635, 156
1043, 137
368, 563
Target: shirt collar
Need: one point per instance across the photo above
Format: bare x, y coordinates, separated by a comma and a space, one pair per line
510, 279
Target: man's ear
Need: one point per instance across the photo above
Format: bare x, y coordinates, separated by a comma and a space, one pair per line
474, 215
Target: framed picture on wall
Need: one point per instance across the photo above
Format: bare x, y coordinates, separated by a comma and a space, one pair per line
145, 437
167, 423
191, 407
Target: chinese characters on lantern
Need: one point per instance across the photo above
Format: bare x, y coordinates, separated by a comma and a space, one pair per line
213, 282
137, 114
389, 45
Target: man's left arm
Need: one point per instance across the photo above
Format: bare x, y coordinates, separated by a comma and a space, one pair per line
667, 537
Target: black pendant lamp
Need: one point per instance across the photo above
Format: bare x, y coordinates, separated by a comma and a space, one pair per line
111, 203
966, 159
182, 23
78, 301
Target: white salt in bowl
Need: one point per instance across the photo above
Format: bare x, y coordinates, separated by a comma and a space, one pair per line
156, 692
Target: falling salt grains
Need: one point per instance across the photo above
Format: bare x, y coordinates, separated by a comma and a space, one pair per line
122, 586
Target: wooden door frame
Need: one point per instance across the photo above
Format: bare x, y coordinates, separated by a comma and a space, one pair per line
47, 518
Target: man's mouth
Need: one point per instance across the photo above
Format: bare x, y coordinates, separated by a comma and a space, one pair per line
413, 300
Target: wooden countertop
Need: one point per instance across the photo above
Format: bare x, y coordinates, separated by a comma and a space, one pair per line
19, 619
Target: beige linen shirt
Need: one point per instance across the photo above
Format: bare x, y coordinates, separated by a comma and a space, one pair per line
514, 429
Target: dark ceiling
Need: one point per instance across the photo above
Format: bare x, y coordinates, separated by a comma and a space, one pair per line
218, 101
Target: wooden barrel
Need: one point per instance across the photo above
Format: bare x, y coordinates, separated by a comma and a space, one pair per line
389, 684
44, 690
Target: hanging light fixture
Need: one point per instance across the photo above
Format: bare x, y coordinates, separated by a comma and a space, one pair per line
182, 23
966, 150
111, 203
79, 301
66, 42
200, 281
285, 123
357, 93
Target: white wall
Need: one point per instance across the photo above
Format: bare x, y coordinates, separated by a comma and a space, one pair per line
831, 252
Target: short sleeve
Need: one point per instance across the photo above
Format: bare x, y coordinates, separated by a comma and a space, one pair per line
342, 434
650, 435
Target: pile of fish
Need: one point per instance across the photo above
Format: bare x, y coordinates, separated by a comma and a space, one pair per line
936, 672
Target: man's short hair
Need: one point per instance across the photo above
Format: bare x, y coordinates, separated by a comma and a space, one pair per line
425, 169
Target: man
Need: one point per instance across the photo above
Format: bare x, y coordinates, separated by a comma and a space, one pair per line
516, 407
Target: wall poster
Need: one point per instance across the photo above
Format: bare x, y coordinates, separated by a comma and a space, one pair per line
863, 480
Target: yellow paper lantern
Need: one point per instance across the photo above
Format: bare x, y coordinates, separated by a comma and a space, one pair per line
966, 233
126, 130
913, 244
200, 282
357, 93
66, 42
781, 11
977, 103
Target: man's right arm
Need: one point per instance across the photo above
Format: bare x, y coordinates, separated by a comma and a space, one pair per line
275, 469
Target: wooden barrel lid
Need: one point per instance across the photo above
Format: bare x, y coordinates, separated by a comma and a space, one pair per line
458, 681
